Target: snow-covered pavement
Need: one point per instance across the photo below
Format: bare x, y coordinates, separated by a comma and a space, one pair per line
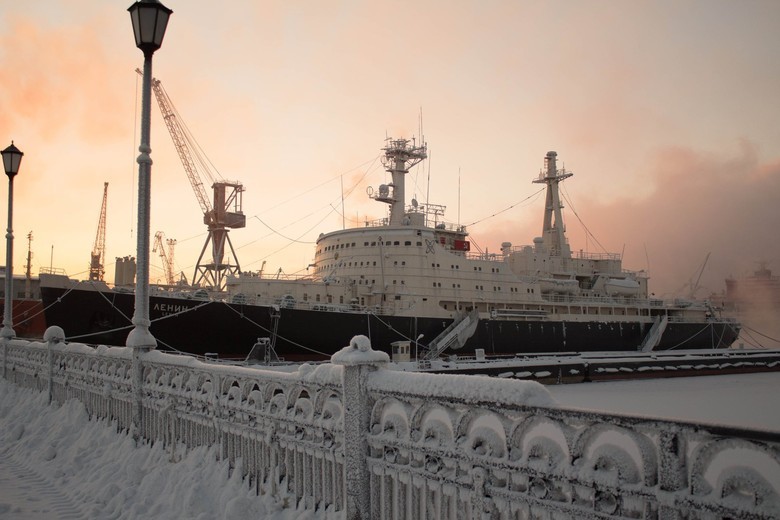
742, 400
56, 464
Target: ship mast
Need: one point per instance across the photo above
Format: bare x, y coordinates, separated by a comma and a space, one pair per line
400, 156
554, 231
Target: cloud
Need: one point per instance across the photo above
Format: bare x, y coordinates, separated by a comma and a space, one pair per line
70, 90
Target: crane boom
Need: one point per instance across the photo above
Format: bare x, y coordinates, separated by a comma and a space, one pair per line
180, 142
96, 262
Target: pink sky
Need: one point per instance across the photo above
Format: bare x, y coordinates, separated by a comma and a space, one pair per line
666, 111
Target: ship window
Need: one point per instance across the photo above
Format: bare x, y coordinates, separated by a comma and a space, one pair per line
396, 243
397, 297
393, 282
341, 299
395, 263
408, 243
403, 262
374, 263
353, 244
373, 243
365, 243
403, 282
362, 301
433, 265
419, 243
317, 298
330, 298
305, 297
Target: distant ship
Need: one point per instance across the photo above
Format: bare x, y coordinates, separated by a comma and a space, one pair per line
761, 289
754, 300
26, 306
411, 280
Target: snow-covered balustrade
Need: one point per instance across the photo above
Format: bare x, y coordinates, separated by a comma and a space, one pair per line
283, 431
358, 437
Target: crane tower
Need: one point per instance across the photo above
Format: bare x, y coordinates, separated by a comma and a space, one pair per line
165, 256
221, 212
97, 257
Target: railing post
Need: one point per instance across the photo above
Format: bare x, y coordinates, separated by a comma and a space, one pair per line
672, 470
137, 383
358, 359
52, 336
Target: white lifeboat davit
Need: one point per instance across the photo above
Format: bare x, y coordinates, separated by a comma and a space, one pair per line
552, 285
621, 286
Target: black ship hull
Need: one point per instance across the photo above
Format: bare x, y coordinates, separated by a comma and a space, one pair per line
230, 330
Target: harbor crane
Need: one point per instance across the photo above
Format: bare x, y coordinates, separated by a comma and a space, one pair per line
97, 257
221, 212
165, 256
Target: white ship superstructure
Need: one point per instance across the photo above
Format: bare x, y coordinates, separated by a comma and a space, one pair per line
412, 263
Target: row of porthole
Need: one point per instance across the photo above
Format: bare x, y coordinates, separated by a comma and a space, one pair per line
367, 244
482, 288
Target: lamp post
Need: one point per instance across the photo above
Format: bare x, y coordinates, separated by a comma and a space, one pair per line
150, 19
12, 157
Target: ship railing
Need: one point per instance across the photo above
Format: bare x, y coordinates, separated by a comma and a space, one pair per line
584, 255
485, 257
432, 224
289, 302
361, 440
577, 255
52, 270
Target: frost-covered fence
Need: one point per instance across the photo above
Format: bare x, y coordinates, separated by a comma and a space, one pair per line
284, 432
357, 437
472, 452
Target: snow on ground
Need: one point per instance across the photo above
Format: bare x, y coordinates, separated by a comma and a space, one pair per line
56, 464
744, 400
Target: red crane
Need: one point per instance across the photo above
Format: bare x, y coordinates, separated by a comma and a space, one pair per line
221, 215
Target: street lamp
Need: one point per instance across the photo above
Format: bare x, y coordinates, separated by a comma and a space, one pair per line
12, 157
150, 19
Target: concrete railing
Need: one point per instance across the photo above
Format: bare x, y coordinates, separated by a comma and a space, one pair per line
357, 437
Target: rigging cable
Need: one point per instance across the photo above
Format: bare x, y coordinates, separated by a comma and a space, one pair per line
564, 193
535, 194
